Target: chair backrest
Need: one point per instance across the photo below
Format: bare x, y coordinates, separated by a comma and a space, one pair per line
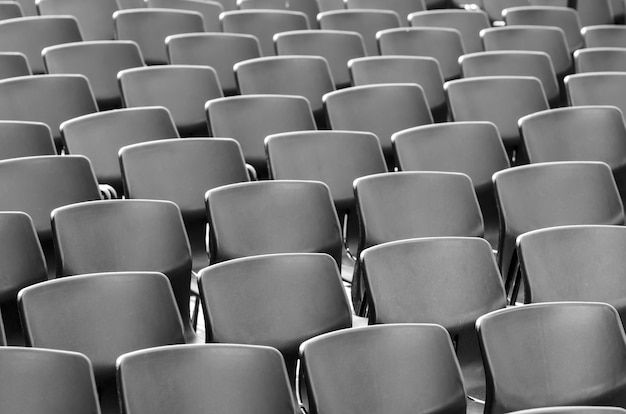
367, 108
597, 88
366, 22
290, 298
307, 76
402, 7
609, 35
402, 368
468, 23
125, 235
47, 381
93, 16
51, 99
550, 40
574, 263
441, 43
149, 28
580, 133
514, 63
100, 136
308, 7
219, 50
25, 139
10, 9
423, 70
336, 46
211, 377
494, 8
418, 281
22, 260
104, 315
250, 118
263, 24
594, 12
545, 364
498, 99
472, 148
182, 89
13, 64
544, 195
600, 59
38, 185
562, 17
210, 10
181, 171
335, 158
99, 62
30, 35
254, 218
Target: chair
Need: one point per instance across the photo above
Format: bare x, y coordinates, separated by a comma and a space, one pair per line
594, 12
25, 139
278, 300
104, 315
498, 99
217, 377
30, 35
581, 133
418, 281
562, 17
574, 263
22, 264
309, 8
181, 171
366, 22
336, 158
210, 10
472, 148
441, 43
262, 4
93, 16
132, 236
13, 64
10, 10
596, 88
250, 118
219, 50
553, 372
366, 108
600, 59
468, 23
608, 35
544, 195
573, 410
404, 205
149, 28
515, 63
292, 217
182, 89
550, 40
100, 137
99, 62
263, 24
49, 381
402, 7
401, 368
307, 76
37, 185
50, 99
336, 46
424, 71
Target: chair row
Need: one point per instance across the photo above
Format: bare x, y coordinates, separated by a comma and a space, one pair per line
401, 367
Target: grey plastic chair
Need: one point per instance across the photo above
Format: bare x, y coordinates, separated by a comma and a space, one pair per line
93, 16
13, 64
609, 35
25, 139
596, 88
600, 59
218, 50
